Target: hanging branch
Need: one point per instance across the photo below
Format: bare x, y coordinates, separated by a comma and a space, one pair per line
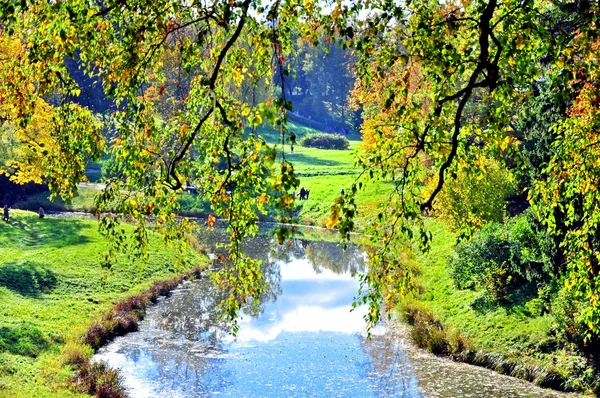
171, 172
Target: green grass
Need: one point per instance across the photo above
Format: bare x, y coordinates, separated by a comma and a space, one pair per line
325, 188
313, 161
51, 288
511, 330
84, 201
508, 328
325, 173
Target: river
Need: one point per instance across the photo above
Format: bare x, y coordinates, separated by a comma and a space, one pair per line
303, 340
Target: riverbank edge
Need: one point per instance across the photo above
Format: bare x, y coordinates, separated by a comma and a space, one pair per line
427, 332
424, 315
96, 378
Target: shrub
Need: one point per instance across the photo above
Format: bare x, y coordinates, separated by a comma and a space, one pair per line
75, 353
124, 322
502, 254
473, 199
325, 141
98, 335
429, 333
132, 304
476, 261
99, 380
194, 243
497, 280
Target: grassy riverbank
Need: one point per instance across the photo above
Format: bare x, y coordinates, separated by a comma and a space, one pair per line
52, 288
510, 338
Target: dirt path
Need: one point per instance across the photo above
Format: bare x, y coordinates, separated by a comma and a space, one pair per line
91, 185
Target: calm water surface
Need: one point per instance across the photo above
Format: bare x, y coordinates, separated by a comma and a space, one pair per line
303, 341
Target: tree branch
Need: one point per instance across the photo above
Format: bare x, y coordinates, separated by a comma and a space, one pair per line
491, 80
212, 83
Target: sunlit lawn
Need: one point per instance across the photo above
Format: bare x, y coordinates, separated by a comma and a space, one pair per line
324, 189
314, 161
324, 172
52, 286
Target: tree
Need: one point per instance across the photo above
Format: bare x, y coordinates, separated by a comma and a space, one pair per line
320, 79
132, 48
475, 197
441, 83
33, 142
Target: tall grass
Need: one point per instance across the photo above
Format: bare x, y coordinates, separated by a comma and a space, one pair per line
430, 333
97, 378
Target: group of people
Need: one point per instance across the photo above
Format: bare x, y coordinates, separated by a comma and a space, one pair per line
6, 214
303, 195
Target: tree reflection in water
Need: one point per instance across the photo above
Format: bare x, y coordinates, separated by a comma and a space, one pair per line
391, 372
321, 254
183, 344
301, 341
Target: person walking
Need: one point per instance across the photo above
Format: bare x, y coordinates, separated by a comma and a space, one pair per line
6, 213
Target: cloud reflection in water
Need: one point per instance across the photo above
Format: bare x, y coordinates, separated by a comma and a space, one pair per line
306, 342
310, 302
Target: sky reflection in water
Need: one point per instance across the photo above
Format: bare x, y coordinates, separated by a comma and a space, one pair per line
306, 342
310, 302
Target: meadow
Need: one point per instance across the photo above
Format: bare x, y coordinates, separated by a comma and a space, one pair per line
324, 172
52, 288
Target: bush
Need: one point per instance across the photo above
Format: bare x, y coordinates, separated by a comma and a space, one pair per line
99, 380
474, 197
325, 141
76, 353
98, 335
567, 309
429, 333
501, 254
486, 254
308, 220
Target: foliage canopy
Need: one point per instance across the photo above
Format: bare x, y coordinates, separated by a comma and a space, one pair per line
441, 80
